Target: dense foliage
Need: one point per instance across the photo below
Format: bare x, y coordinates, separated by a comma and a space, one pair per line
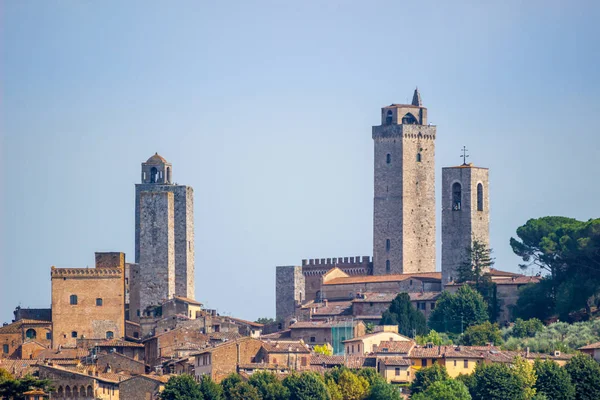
13, 388
568, 251
585, 375
406, 316
481, 335
553, 381
456, 312
181, 387
425, 377
444, 390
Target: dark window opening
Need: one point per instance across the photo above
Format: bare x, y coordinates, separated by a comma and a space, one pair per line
313, 339
388, 158
424, 363
387, 266
98, 301
49, 335
168, 174
466, 363
74, 334
30, 334
136, 335
73, 299
387, 245
418, 157
456, 196
5, 348
409, 119
479, 197
397, 371
388, 118
110, 335
153, 175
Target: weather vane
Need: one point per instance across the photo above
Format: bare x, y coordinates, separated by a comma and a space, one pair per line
464, 155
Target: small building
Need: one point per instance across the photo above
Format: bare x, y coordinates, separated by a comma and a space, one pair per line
143, 387
13, 336
321, 332
394, 348
117, 362
224, 359
71, 383
292, 354
593, 350
369, 343
395, 369
36, 394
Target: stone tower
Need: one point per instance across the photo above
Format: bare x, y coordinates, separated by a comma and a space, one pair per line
164, 237
465, 214
404, 193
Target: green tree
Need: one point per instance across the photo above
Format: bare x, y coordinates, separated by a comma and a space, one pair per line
526, 374
478, 259
427, 376
481, 335
352, 387
455, 312
210, 389
323, 349
527, 328
229, 383
268, 386
181, 387
553, 381
371, 375
306, 386
431, 337
243, 391
265, 321
585, 375
14, 388
384, 391
535, 301
496, 382
407, 317
444, 390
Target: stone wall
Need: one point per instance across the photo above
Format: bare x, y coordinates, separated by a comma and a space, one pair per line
141, 388
314, 269
289, 290
404, 198
349, 291
88, 318
110, 259
461, 224
118, 362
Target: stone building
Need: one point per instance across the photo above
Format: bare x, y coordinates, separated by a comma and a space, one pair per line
87, 385
24, 332
143, 387
88, 303
164, 239
465, 215
224, 359
404, 190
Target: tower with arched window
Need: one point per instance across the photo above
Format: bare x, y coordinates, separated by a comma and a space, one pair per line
164, 238
404, 190
465, 214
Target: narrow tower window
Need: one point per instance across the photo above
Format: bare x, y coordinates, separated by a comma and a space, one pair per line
388, 118
418, 157
387, 245
168, 175
479, 197
99, 302
73, 299
387, 266
409, 119
456, 196
388, 158
153, 175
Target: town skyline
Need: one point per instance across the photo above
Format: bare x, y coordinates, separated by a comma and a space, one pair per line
264, 178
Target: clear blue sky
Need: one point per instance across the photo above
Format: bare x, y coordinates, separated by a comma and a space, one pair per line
266, 108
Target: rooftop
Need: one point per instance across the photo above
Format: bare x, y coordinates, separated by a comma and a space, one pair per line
383, 278
156, 159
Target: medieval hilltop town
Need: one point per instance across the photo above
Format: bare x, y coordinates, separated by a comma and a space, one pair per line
122, 329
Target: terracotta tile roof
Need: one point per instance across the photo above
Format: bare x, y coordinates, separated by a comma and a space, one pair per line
334, 308
224, 336
243, 321
383, 278
424, 352
156, 159
402, 106
131, 323
285, 346
118, 343
62, 354
373, 297
277, 335
348, 361
322, 324
592, 346
396, 361
395, 346
398, 336
517, 280
19, 368
188, 300
497, 272
16, 327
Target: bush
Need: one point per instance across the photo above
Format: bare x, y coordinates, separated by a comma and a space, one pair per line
427, 376
481, 335
444, 390
553, 381
585, 375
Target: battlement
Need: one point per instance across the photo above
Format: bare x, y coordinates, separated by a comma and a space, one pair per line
105, 272
337, 261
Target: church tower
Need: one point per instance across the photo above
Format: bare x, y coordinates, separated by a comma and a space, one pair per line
465, 214
164, 237
404, 192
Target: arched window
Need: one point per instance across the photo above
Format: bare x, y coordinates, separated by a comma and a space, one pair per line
67, 391
387, 245
169, 174
74, 334
60, 391
479, 197
90, 391
110, 334
73, 299
30, 333
456, 196
388, 118
388, 158
82, 391
75, 391
99, 302
387, 266
409, 119
153, 175
418, 157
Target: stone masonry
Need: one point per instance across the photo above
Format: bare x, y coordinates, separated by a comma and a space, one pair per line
174, 216
404, 190
289, 288
465, 214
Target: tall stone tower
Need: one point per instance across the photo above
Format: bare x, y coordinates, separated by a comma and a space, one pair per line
164, 237
404, 193
465, 214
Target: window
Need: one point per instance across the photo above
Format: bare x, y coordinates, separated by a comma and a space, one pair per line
153, 175
313, 339
456, 196
397, 371
418, 157
387, 266
74, 334
352, 348
432, 305
110, 334
466, 363
48, 335
388, 158
424, 362
410, 282
73, 299
99, 302
479, 197
274, 360
455, 363
303, 361
30, 334
5, 348
388, 117
137, 312
409, 119
388, 244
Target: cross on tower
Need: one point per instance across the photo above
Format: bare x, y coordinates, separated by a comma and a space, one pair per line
464, 155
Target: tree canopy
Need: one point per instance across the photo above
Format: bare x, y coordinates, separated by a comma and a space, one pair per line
553, 380
585, 375
427, 376
181, 387
406, 316
450, 389
481, 335
456, 312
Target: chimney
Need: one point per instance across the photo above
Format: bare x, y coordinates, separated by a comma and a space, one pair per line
527, 352
325, 302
